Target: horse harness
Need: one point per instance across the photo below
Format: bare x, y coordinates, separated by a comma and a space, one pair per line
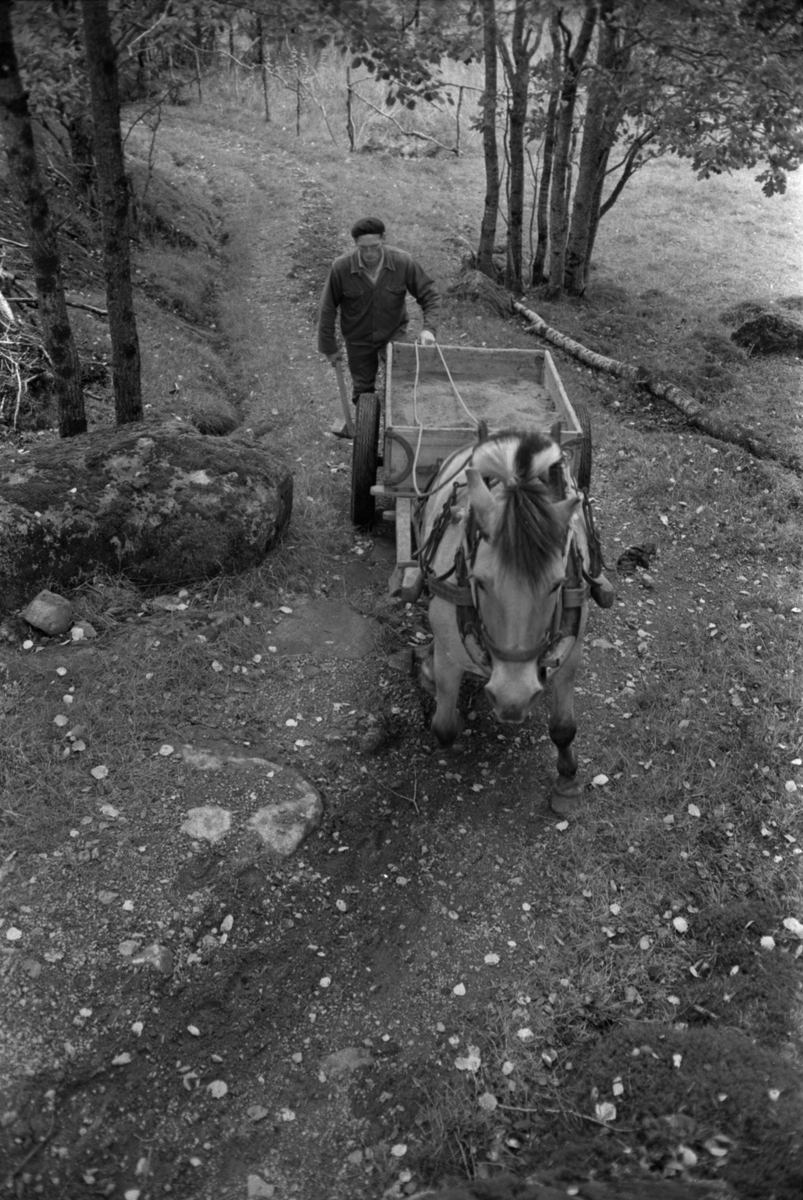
456, 586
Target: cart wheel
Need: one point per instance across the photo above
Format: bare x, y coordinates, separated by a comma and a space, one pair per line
365, 459
582, 475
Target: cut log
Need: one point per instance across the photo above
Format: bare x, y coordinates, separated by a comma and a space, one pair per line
695, 413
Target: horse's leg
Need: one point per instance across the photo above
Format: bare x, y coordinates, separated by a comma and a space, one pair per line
447, 724
567, 789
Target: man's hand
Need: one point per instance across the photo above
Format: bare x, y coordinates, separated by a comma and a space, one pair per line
426, 338
335, 358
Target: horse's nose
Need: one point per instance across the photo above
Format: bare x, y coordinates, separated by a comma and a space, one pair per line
507, 711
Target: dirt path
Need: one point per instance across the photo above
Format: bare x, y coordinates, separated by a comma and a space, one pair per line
317, 1003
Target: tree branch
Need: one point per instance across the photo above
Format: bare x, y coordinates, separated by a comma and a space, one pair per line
407, 133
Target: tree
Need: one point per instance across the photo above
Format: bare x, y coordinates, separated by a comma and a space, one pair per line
517, 61
716, 81
114, 207
489, 142
44, 250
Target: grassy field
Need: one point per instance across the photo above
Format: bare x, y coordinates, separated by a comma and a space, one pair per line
664, 927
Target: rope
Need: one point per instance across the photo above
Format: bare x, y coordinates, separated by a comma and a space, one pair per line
417, 419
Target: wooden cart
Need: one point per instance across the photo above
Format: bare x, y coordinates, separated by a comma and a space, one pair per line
434, 398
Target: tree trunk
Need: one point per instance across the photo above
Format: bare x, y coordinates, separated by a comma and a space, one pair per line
114, 199
542, 208
517, 70
490, 148
263, 67
56, 332
603, 114
571, 66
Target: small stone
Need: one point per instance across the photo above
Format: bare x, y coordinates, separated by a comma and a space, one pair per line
257, 1187
156, 956
49, 613
83, 631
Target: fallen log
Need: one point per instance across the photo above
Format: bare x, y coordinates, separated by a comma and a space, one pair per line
695, 413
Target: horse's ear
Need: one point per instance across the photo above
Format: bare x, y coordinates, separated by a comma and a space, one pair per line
481, 500
482, 431
564, 510
456, 514
554, 432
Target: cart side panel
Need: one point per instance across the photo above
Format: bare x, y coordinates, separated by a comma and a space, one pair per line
557, 392
465, 362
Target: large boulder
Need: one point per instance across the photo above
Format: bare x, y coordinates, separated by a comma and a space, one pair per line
770, 333
161, 504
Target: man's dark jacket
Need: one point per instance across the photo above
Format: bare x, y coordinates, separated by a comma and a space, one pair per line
374, 314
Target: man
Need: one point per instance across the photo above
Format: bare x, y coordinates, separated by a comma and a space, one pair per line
369, 287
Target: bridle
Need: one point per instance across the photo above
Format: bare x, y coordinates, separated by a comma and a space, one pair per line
458, 586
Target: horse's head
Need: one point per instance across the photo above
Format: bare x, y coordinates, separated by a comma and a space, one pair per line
517, 563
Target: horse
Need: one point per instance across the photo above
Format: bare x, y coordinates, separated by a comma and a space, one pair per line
504, 553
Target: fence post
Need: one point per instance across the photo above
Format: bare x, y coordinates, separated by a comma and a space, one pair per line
349, 109
263, 68
457, 122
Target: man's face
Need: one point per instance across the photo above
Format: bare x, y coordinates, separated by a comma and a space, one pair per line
370, 248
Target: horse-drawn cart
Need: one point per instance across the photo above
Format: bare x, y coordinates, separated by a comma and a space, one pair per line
435, 399
503, 528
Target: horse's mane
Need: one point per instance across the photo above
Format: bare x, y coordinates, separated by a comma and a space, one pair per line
529, 533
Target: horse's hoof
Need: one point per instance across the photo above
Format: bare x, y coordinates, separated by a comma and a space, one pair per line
565, 798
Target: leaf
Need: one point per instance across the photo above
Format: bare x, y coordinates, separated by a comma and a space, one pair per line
794, 926
599, 781
681, 924
718, 1145
217, 1088
488, 1102
472, 1061
605, 1111
99, 772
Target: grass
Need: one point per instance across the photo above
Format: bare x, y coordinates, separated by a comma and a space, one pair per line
645, 966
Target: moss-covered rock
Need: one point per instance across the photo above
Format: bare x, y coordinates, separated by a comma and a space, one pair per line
770, 333
161, 504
